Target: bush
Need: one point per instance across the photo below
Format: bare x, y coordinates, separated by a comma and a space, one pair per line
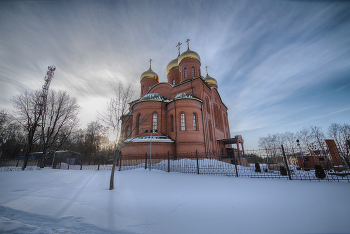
319, 172
283, 171
257, 167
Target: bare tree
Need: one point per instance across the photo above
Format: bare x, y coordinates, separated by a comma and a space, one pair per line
58, 122
117, 108
28, 114
93, 137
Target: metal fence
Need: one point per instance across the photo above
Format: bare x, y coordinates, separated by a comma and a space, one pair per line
293, 164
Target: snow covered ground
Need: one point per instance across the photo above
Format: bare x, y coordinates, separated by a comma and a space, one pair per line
74, 201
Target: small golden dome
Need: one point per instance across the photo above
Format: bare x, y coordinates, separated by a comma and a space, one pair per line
188, 54
210, 80
149, 74
172, 65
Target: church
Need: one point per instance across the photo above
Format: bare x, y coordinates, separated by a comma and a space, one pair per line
183, 115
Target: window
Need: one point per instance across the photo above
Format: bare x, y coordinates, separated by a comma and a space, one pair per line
128, 132
185, 71
183, 126
149, 87
207, 104
139, 125
154, 122
194, 122
192, 72
173, 81
172, 122
210, 131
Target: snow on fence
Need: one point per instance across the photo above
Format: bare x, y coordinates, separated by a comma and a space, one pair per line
294, 164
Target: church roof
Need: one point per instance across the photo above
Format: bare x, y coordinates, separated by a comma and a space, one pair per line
188, 54
154, 96
149, 74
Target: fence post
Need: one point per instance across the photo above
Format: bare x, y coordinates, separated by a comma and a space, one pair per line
168, 161
285, 161
197, 162
60, 162
234, 160
68, 163
146, 162
81, 162
99, 162
120, 161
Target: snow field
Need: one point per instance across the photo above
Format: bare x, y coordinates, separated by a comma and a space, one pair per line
62, 201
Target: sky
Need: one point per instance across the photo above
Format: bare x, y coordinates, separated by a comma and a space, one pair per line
281, 65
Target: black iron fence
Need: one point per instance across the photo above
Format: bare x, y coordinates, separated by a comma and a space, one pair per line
293, 164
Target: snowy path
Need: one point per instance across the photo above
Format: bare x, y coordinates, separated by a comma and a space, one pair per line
57, 201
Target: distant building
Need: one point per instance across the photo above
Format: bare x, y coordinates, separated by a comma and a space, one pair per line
185, 113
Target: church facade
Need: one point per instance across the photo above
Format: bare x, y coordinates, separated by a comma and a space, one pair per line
182, 115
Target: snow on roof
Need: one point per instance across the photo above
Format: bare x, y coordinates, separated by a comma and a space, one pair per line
154, 96
182, 95
150, 138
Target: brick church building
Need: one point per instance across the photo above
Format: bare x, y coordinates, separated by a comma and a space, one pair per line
182, 115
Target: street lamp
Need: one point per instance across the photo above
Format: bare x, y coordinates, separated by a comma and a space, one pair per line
150, 147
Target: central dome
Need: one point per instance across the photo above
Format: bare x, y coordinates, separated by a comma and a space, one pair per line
149, 74
188, 54
173, 64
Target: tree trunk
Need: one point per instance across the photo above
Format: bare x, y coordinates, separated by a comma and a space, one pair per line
111, 181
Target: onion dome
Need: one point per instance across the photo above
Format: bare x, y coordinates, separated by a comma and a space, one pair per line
210, 80
172, 65
149, 74
189, 54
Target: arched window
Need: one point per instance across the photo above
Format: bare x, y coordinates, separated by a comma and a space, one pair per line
192, 72
128, 132
139, 125
149, 87
154, 122
185, 71
207, 104
183, 126
172, 122
194, 122
173, 81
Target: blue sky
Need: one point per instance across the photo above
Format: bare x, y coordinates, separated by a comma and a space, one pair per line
280, 65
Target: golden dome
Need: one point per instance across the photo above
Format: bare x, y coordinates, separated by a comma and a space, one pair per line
149, 74
172, 65
210, 80
189, 54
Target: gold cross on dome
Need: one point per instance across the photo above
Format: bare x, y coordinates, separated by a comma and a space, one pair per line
150, 61
178, 45
188, 43
206, 68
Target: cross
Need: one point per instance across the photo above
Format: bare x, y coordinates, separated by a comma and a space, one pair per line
206, 68
178, 45
188, 43
150, 61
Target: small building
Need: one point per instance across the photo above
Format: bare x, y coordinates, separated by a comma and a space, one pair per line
308, 162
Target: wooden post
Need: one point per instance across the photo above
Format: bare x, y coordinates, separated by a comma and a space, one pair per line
286, 163
81, 162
